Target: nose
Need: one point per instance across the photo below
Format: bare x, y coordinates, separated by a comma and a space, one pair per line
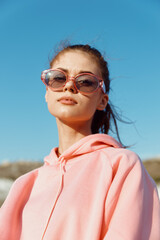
70, 86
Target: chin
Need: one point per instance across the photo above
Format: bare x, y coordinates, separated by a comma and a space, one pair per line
70, 115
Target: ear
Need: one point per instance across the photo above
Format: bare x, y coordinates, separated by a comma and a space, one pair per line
103, 102
46, 95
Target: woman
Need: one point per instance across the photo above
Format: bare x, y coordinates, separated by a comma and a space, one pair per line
90, 187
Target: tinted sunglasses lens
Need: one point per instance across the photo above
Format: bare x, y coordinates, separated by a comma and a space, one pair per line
87, 83
55, 79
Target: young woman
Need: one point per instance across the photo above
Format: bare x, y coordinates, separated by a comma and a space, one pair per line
90, 187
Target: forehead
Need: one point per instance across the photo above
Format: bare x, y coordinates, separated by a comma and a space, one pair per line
76, 61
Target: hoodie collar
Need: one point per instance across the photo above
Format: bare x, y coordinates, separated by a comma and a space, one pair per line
85, 145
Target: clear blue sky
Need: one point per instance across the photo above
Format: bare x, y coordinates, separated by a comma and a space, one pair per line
127, 31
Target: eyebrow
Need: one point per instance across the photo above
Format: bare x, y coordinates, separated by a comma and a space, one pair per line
65, 70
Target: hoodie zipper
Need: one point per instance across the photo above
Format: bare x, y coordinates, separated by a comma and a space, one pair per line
62, 172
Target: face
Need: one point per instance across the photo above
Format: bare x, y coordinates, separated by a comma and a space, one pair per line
67, 104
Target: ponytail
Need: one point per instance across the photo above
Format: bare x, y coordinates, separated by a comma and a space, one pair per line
103, 120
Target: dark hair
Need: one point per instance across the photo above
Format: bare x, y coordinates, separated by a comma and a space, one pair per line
102, 120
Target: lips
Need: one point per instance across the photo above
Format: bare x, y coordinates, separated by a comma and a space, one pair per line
67, 100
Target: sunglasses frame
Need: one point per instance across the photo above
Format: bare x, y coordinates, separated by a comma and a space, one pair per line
73, 79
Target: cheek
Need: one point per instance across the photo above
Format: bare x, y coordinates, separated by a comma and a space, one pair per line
92, 101
50, 99
89, 106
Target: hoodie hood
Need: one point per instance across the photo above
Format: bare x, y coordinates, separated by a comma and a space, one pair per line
85, 145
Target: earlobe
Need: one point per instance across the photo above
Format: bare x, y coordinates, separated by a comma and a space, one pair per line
102, 105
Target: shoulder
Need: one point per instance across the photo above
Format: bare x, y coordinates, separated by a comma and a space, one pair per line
128, 165
121, 156
24, 182
125, 162
21, 188
28, 177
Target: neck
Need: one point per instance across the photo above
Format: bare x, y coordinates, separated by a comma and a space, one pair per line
70, 134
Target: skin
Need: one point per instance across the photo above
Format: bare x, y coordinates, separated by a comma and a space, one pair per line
74, 118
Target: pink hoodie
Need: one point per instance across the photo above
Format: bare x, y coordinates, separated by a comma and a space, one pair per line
95, 190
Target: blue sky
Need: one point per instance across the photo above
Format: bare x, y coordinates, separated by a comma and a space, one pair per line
129, 34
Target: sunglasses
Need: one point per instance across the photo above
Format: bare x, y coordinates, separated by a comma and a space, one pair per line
56, 79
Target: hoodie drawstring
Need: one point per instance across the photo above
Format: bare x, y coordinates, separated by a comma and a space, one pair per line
62, 172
